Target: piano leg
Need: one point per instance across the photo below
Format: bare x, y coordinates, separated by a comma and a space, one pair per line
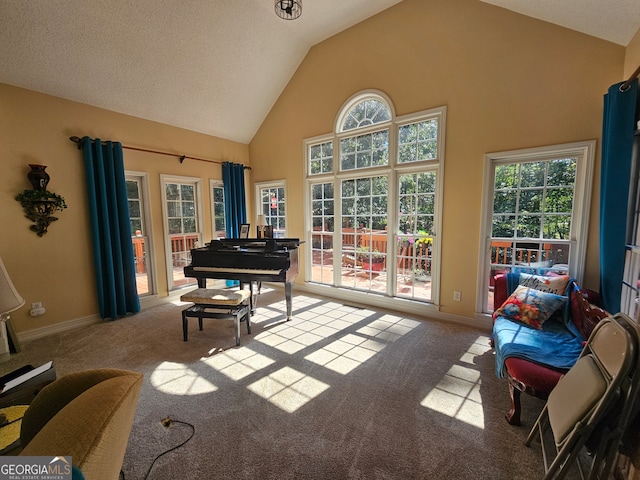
288, 288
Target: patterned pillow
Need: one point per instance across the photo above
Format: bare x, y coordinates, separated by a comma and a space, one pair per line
529, 306
552, 284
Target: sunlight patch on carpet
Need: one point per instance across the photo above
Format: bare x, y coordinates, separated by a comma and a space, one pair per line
457, 394
288, 389
178, 379
479, 348
345, 354
238, 363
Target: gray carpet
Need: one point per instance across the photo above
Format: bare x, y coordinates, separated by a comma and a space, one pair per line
339, 392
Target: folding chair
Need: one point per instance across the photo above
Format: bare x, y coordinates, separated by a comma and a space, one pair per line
606, 440
583, 398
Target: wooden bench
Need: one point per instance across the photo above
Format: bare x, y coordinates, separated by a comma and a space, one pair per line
222, 304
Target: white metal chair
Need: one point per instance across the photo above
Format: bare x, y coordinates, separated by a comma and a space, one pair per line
585, 398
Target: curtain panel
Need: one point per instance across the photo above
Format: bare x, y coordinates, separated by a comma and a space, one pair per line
235, 204
618, 127
110, 228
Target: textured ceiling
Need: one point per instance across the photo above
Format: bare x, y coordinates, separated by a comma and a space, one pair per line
613, 20
211, 66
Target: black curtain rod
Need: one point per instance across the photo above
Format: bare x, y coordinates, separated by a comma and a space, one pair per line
78, 141
625, 86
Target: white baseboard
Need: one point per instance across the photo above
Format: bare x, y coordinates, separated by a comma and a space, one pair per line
145, 302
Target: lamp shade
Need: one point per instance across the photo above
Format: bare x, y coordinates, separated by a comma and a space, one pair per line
10, 299
262, 220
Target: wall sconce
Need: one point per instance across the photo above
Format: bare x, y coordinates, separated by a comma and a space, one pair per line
39, 204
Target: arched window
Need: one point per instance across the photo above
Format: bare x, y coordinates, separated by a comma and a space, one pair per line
369, 111
374, 196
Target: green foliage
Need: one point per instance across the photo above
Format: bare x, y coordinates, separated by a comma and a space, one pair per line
38, 206
33, 195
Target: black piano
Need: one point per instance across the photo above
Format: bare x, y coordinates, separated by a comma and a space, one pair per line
247, 260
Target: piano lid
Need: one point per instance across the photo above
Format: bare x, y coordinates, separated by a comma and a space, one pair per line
254, 244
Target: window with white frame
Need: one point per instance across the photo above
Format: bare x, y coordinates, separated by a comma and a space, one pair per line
536, 213
271, 202
218, 221
183, 225
374, 193
138, 203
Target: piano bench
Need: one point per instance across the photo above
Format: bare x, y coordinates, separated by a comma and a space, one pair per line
223, 304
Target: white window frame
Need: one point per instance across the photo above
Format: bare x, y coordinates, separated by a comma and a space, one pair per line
143, 180
584, 152
197, 182
258, 187
215, 184
392, 170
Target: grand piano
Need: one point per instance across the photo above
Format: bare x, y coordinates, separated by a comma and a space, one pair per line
249, 261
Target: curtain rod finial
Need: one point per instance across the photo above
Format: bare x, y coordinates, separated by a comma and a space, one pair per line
76, 140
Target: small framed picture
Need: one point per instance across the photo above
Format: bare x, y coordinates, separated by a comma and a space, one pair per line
244, 230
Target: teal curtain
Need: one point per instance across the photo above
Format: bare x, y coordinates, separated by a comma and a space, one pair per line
235, 205
110, 228
618, 127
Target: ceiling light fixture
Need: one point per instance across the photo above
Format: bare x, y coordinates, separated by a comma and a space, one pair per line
288, 9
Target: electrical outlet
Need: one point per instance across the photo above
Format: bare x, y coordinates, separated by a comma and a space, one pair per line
457, 296
166, 422
35, 305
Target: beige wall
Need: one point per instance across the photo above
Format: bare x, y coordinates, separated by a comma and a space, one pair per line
57, 269
508, 82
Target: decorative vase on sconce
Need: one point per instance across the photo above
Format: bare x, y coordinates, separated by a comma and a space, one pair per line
38, 177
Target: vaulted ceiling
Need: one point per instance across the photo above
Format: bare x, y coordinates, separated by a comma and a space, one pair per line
211, 66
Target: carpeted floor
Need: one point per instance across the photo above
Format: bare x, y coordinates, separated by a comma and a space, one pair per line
338, 392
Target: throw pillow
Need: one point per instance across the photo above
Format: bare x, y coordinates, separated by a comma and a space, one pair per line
530, 306
555, 284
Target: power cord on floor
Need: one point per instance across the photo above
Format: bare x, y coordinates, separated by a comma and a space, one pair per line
167, 422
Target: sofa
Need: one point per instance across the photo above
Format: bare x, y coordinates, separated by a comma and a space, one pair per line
86, 415
533, 354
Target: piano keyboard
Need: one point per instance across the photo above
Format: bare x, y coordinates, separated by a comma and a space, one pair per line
248, 271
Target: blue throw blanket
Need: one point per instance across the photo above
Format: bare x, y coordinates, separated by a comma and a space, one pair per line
558, 344
554, 345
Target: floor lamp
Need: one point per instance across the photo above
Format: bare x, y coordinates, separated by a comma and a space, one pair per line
10, 300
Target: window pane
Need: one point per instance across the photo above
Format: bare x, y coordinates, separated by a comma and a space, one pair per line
530, 200
418, 141
173, 209
367, 112
503, 226
189, 225
187, 192
188, 209
172, 191
132, 189
321, 158
559, 200
134, 209
175, 225
505, 201
532, 174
